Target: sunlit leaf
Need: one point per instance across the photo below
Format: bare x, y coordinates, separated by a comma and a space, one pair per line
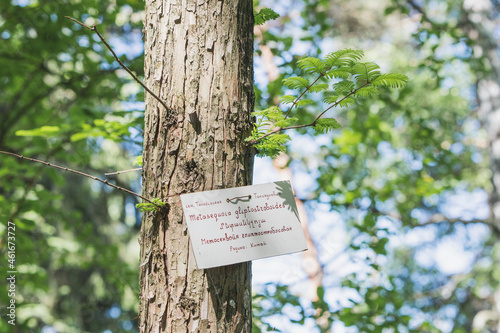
392, 80
312, 65
343, 57
324, 125
296, 82
264, 15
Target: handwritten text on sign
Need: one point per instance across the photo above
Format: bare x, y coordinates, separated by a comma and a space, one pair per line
243, 223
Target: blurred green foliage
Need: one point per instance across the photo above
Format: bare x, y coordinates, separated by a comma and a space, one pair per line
64, 99
392, 175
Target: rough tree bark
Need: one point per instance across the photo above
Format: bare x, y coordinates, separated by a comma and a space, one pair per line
198, 58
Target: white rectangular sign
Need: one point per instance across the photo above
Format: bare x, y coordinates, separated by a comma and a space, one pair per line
243, 223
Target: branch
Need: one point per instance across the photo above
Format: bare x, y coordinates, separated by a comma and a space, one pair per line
338, 102
31, 182
94, 29
438, 218
119, 172
279, 129
306, 90
104, 181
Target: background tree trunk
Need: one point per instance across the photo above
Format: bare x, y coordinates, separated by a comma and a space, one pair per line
198, 57
478, 15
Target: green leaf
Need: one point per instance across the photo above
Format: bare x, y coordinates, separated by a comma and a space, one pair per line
326, 124
138, 160
272, 145
304, 102
83, 135
275, 115
318, 87
367, 71
312, 65
346, 102
343, 87
296, 82
286, 122
330, 99
265, 112
44, 131
343, 57
393, 80
339, 73
264, 15
148, 206
367, 91
287, 99
321, 289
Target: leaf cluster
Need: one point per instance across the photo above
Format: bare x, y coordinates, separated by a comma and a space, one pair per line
107, 128
264, 15
267, 122
155, 204
341, 78
56, 80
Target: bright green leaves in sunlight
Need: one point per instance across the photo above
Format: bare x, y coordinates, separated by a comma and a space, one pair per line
114, 130
343, 58
138, 160
325, 125
312, 65
44, 131
296, 82
340, 79
287, 99
392, 80
264, 15
271, 143
155, 204
365, 72
62, 91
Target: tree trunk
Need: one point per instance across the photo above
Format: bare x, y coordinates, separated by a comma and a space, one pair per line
198, 58
488, 91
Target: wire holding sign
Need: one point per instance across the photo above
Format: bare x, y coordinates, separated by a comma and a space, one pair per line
248, 197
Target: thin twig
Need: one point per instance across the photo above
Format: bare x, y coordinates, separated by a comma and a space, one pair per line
94, 29
340, 100
104, 181
280, 129
306, 90
119, 172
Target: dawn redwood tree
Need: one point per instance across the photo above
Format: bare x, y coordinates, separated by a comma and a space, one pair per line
198, 59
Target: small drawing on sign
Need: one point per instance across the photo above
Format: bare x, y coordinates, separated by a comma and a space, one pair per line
238, 199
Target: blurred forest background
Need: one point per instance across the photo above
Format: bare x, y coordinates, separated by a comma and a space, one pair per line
402, 204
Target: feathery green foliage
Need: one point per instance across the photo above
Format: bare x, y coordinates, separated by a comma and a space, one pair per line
268, 120
138, 160
296, 82
326, 124
148, 206
348, 78
264, 15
